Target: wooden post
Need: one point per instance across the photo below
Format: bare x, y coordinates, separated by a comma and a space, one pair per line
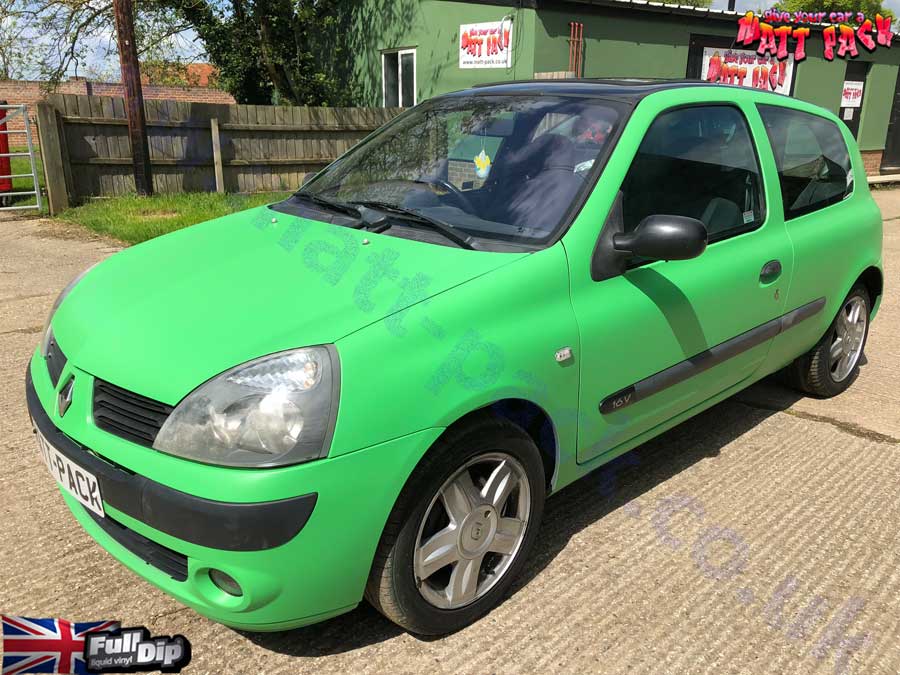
52, 157
134, 96
217, 154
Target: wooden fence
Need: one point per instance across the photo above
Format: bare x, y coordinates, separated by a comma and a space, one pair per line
193, 146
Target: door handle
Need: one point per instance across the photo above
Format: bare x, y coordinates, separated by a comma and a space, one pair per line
770, 271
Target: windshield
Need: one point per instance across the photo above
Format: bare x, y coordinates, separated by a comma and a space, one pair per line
494, 167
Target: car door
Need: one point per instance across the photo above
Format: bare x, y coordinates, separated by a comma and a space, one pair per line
661, 338
831, 218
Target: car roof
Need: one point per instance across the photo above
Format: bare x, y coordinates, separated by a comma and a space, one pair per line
631, 90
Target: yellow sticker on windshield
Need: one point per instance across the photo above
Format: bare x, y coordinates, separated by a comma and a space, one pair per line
482, 164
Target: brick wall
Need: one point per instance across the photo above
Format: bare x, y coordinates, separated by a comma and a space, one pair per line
29, 92
872, 162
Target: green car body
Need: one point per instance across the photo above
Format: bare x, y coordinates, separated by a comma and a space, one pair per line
425, 334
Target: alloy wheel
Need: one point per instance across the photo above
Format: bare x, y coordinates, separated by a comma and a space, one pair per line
848, 338
472, 530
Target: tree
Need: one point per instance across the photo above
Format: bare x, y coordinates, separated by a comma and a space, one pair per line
295, 52
265, 50
692, 3
15, 51
66, 37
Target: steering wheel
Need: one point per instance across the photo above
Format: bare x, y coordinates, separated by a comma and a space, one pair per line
457, 194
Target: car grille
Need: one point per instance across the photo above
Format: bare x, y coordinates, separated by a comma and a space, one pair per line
171, 562
129, 415
56, 361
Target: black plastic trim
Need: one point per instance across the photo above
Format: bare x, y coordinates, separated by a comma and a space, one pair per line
171, 562
708, 358
228, 526
56, 360
128, 415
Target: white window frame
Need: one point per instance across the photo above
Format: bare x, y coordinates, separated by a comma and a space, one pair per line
399, 52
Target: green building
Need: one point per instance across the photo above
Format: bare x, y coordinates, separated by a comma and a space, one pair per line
410, 50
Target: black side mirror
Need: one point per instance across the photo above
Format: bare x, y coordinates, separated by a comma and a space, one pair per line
664, 238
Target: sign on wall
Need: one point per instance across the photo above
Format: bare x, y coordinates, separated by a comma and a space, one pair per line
851, 94
746, 68
486, 45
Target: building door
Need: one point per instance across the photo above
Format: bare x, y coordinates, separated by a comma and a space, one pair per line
890, 160
852, 94
695, 52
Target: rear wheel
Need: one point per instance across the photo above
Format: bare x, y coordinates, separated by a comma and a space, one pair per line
461, 529
831, 366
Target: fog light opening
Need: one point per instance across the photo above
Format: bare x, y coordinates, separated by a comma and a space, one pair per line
225, 582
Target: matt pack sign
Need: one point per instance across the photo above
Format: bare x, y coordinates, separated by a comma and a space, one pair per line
746, 68
486, 45
851, 94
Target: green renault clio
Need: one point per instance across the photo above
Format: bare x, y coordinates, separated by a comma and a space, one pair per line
369, 389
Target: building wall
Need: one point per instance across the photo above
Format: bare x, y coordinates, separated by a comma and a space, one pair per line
819, 81
621, 43
432, 28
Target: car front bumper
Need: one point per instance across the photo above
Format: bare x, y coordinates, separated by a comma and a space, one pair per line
298, 540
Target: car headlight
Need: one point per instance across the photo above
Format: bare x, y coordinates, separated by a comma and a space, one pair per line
273, 411
48, 334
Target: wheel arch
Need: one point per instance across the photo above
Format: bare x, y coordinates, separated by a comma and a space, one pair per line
533, 419
873, 279
526, 414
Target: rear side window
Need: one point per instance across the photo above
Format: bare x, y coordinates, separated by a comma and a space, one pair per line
699, 162
811, 157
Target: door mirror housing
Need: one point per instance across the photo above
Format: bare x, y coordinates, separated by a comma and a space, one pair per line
664, 237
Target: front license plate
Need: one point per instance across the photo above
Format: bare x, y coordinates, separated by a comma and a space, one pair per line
78, 482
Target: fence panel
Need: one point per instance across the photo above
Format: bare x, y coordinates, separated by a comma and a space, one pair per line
260, 148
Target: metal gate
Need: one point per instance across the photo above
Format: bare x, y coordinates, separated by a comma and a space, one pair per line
7, 113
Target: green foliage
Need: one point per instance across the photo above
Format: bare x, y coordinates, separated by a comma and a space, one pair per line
692, 3
287, 51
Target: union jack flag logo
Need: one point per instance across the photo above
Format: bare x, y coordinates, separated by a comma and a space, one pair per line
47, 645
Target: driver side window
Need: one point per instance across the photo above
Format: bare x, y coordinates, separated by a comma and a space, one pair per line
700, 162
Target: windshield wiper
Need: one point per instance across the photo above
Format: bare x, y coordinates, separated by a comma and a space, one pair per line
446, 229
340, 207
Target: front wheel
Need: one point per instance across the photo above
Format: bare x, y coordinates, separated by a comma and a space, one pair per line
830, 367
461, 529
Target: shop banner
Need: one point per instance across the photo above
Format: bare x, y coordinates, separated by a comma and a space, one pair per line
746, 68
485, 45
851, 94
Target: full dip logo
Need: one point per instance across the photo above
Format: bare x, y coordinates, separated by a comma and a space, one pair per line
134, 649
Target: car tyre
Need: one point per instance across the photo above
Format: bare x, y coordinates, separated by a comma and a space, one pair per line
430, 525
830, 367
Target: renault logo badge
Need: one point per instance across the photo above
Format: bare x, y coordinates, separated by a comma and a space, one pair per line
64, 399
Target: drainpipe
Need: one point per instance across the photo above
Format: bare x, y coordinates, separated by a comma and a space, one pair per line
576, 48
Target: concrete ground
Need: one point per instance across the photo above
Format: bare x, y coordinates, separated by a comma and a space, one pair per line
759, 537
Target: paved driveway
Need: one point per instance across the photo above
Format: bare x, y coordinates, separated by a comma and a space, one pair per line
759, 537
